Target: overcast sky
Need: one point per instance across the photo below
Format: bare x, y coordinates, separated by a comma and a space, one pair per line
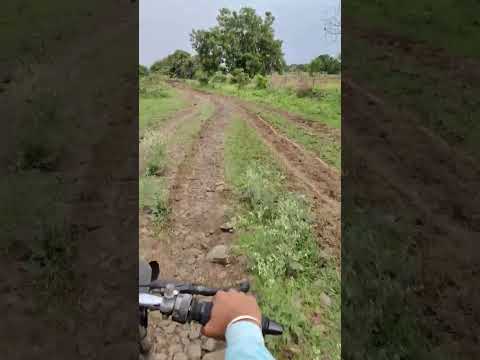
165, 25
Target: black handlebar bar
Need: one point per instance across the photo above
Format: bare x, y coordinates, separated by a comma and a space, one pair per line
201, 311
195, 289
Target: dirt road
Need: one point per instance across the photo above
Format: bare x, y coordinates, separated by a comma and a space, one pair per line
201, 203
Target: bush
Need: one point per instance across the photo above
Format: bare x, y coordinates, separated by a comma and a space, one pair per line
310, 92
230, 79
202, 77
142, 71
160, 209
155, 160
240, 78
148, 92
261, 82
219, 77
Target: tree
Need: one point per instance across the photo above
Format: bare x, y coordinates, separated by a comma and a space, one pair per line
142, 70
209, 51
180, 64
241, 40
324, 64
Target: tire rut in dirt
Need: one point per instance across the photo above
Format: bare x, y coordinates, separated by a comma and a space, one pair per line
309, 176
198, 209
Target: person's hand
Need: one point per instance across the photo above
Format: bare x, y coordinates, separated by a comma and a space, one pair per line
226, 307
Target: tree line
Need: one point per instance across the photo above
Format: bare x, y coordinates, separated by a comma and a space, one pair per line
240, 42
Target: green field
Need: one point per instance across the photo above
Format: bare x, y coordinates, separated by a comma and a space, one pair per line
324, 105
277, 237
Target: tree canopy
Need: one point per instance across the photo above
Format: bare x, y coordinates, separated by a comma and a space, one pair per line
325, 63
241, 40
142, 70
180, 64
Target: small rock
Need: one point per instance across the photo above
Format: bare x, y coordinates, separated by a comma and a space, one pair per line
194, 351
227, 227
175, 349
209, 345
194, 332
170, 329
185, 341
325, 299
180, 356
160, 356
217, 355
219, 255
183, 333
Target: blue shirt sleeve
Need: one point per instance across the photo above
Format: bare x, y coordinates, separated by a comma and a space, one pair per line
245, 342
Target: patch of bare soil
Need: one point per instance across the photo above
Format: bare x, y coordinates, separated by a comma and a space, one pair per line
199, 207
435, 187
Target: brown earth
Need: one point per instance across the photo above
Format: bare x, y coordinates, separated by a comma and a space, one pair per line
200, 204
415, 174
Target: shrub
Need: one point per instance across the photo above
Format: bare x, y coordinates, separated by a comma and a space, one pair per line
219, 78
308, 91
230, 79
160, 209
202, 77
155, 156
240, 78
261, 82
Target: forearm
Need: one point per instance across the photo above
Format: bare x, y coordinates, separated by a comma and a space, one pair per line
245, 341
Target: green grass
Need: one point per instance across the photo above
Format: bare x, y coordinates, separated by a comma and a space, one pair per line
283, 254
326, 109
188, 130
327, 148
153, 111
379, 274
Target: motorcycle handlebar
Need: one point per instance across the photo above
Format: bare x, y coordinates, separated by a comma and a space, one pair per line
201, 312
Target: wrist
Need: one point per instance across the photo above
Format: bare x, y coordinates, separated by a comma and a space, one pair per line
243, 331
248, 318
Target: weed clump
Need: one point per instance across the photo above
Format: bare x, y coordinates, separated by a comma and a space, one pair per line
219, 78
160, 209
283, 244
156, 159
202, 77
261, 82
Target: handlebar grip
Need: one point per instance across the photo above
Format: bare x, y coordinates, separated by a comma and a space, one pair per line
201, 311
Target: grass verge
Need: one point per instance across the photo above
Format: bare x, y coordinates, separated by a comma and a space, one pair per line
156, 103
290, 272
324, 108
325, 145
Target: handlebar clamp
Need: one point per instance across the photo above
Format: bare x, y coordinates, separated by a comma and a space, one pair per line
181, 309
